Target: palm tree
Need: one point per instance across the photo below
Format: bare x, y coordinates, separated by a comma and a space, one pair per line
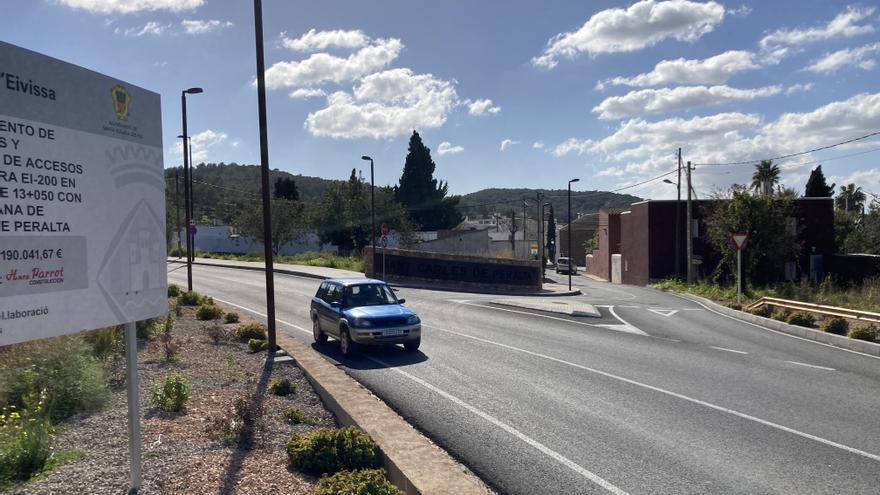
765, 178
851, 198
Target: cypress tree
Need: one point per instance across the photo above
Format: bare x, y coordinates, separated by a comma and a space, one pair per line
816, 185
423, 195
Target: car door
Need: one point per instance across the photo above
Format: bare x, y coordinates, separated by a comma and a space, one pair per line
318, 302
330, 323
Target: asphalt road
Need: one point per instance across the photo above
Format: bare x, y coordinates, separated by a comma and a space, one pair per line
666, 397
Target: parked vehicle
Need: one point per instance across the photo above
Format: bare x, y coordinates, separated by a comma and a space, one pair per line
361, 311
566, 265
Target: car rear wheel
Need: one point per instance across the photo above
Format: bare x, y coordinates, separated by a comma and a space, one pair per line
346, 345
412, 345
320, 337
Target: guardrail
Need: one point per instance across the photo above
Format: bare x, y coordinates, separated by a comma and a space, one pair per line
852, 314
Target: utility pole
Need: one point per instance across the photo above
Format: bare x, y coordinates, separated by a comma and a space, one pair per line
539, 212
678, 222
525, 231
688, 228
177, 207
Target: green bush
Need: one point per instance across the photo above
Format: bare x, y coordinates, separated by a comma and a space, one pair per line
325, 450
236, 426
250, 331
781, 314
764, 310
869, 333
106, 342
173, 290
24, 444
282, 386
62, 373
191, 298
802, 319
360, 482
208, 312
146, 328
171, 393
257, 345
736, 306
837, 326
232, 317
216, 333
296, 416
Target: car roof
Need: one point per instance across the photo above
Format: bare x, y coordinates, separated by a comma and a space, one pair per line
347, 282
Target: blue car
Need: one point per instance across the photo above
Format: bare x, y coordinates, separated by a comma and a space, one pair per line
362, 311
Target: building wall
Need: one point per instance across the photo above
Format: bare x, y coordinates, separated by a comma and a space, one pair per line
584, 229
635, 244
609, 243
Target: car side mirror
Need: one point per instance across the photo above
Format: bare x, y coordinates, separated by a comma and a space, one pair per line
336, 305
401, 301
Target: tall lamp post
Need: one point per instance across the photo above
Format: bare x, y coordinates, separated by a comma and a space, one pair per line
372, 205
187, 186
677, 226
543, 238
570, 257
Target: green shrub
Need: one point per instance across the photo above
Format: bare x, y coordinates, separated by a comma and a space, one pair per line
106, 342
869, 333
236, 426
360, 482
146, 328
281, 386
24, 444
802, 319
208, 312
250, 331
191, 298
171, 393
736, 306
173, 290
62, 373
216, 333
837, 326
232, 317
256, 345
764, 310
781, 314
325, 450
296, 416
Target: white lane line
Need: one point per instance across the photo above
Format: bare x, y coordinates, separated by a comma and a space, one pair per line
673, 394
812, 366
774, 331
727, 350
509, 429
504, 426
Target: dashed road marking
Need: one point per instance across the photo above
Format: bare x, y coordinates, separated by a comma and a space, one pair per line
811, 366
727, 350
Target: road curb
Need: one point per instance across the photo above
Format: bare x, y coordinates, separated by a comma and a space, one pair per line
412, 461
802, 332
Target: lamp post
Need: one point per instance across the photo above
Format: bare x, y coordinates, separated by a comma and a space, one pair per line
677, 225
177, 207
543, 237
187, 186
570, 257
372, 205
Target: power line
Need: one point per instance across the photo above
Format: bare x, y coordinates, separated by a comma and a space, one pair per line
791, 155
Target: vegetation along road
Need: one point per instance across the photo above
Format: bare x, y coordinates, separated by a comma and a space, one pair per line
659, 395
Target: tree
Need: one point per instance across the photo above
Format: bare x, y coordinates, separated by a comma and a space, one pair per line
285, 188
423, 196
551, 236
287, 218
765, 178
851, 199
513, 228
816, 185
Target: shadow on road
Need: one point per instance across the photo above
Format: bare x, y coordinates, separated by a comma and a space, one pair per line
390, 356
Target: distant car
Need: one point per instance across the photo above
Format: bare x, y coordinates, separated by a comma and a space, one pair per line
361, 311
564, 265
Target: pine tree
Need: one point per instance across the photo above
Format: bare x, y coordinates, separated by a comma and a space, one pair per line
285, 188
422, 195
816, 185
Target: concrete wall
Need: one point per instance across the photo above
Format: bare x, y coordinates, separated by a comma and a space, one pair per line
474, 242
220, 239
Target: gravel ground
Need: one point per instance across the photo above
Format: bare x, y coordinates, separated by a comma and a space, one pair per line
182, 453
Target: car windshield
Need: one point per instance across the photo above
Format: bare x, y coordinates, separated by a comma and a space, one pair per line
368, 295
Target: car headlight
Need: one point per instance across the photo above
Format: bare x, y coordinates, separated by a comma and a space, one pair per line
412, 320
362, 323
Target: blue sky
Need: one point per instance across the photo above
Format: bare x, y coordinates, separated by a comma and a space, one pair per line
512, 93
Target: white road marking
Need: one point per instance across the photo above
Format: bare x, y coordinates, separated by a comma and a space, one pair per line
727, 350
629, 328
664, 312
504, 426
529, 314
811, 366
673, 394
623, 328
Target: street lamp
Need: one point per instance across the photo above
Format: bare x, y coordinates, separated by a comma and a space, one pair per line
543, 238
677, 225
187, 185
372, 205
570, 257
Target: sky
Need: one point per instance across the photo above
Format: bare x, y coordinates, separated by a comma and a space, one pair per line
507, 93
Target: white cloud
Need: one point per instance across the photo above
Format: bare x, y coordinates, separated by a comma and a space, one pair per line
323, 67
538, 145
384, 105
201, 145
321, 40
572, 145
741, 11
303, 93
130, 6
663, 100
643, 24
798, 88
843, 25
611, 172
151, 28
507, 143
861, 57
482, 107
868, 180
447, 148
712, 70
202, 27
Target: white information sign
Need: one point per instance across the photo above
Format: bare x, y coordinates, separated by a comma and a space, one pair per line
82, 199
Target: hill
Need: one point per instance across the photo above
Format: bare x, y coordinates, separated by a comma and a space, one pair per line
501, 201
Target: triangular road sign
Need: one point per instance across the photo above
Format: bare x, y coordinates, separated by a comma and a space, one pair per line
739, 240
664, 312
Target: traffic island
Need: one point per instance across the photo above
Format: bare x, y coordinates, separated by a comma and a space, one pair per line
560, 306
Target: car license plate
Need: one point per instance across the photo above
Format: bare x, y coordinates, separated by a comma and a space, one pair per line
392, 332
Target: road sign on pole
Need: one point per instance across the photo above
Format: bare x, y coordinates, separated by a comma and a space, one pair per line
739, 243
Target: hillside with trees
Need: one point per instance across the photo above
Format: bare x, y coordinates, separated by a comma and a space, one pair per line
489, 201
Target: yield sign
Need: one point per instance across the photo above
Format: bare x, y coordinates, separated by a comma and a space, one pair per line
664, 312
739, 240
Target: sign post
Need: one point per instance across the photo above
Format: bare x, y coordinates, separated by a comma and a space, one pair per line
384, 245
82, 208
739, 242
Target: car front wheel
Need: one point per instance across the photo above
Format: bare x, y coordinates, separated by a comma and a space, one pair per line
346, 345
412, 345
319, 336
